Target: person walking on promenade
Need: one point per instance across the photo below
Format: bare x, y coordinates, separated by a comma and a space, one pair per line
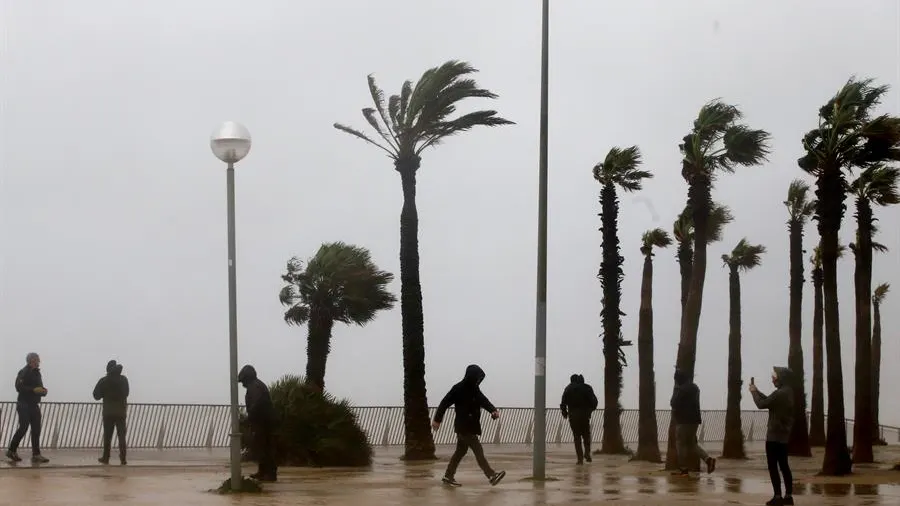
30, 387
780, 404
686, 412
113, 390
262, 418
578, 402
468, 401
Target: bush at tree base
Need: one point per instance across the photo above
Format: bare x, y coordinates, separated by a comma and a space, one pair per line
313, 428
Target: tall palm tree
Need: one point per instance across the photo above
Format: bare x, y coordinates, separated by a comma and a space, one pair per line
418, 118
847, 136
648, 435
876, 185
619, 168
743, 257
800, 208
683, 230
877, 298
341, 284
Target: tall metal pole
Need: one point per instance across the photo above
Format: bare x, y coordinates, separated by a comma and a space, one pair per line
232, 339
540, 348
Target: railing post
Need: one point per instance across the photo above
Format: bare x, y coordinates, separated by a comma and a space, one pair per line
54, 441
386, 435
161, 435
529, 432
209, 435
559, 432
750, 437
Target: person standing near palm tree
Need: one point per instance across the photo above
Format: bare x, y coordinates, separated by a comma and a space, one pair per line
262, 418
686, 413
578, 403
780, 404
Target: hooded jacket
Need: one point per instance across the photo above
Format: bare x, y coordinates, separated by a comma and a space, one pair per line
685, 400
468, 401
578, 398
258, 402
780, 404
113, 390
27, 380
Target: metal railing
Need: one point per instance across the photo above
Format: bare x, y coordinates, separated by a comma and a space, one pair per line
169, 426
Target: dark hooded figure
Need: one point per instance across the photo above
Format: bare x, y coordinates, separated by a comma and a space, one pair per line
686, 412
261, 417
780, 404
578, 402
112, 389
30, 387
468, 401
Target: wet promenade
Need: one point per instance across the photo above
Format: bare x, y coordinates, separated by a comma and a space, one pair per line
182, 477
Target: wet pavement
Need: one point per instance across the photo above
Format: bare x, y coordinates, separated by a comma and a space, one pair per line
183, 477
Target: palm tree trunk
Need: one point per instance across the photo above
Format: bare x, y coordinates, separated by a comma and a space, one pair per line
685, 265
876, 373
419, 440
798, 445
610, 279
648, 435
700, 202
318, 345
830, 193
862, 427
817, 406
733, 446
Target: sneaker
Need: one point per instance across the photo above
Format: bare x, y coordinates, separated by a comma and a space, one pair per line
710, 465
446, 480
495, 479
13, 456
789, 500
587, 458
39, 459
104, 461
775, 501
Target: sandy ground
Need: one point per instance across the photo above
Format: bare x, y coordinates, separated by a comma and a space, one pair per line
170, 477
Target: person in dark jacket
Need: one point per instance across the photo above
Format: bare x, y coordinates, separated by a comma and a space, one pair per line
468, 401
686, 412
113, 390
780, 404
30, 388
578, 402
261, 417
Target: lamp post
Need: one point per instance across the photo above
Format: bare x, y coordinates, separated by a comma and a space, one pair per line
231, 143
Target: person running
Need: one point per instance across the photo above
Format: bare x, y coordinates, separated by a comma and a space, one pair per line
578, 402
686, 412
261, 417
468, 400
113, 390
30, 387
780, 404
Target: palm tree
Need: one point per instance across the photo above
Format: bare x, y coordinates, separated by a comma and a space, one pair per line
339, 284
648, 435
876, 185
417, 118
619, 168
800, 208
744, 256
846, 137
877, 298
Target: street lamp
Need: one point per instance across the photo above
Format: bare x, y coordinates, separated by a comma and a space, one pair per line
231, 143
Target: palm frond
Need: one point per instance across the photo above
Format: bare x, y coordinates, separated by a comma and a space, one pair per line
743, 147
297, 315
466, 122
656, 238
880, 292
620, 167
357, 133
718, 142
719, 216
745, 256
879, 247
378, 100
385, 134
683, 228
800, 206
405, 92
878, 185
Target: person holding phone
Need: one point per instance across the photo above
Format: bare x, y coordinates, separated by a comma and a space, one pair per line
780, 404
30, 387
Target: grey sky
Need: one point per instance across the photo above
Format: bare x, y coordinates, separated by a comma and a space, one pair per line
112, 208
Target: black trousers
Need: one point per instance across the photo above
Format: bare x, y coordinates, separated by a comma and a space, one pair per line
463, 443
581, 430
29, 417
111, 423
777, 458
264, 449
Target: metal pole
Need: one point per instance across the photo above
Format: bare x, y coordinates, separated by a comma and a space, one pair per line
232, 339
540, 348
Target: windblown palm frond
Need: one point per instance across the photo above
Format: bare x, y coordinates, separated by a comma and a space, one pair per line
878, 185
745, 256
718, 143
880, 292
620, 167
719, 216
799, 204
656, 238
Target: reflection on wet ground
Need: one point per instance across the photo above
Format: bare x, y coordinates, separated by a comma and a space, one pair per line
160, 478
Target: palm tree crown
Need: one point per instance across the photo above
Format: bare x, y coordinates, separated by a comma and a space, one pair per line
744, 256
877, 184
799, 204
620, 167
656, 238
880, 292
718, 143
719, 216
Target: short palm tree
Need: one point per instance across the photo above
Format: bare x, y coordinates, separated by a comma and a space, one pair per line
847, 137
875, 186
648, 435
619, 168
419, 117
877, 298
743, 257
800, 208
339, 284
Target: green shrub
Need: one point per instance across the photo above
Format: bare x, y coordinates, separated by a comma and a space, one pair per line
314, 428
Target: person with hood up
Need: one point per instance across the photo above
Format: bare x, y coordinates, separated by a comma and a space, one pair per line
30, 387
578, 402
261, 417
686, 412
468, 401
113, 390
780, 404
